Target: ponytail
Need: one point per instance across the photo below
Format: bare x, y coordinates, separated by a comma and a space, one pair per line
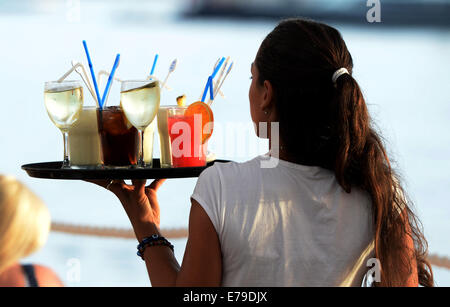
351, 127
362, 161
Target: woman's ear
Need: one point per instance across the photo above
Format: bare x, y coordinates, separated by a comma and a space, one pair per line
267, 101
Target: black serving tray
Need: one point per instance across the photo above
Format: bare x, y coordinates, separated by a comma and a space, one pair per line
53, 170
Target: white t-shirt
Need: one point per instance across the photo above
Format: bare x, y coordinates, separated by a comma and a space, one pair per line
291, 225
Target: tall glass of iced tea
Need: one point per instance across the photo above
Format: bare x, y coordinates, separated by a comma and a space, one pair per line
119, 139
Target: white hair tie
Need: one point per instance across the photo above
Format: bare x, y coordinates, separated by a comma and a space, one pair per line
339, 73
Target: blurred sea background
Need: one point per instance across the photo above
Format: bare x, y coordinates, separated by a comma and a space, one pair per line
402, 67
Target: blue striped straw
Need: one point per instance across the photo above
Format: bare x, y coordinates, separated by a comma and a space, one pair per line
154, 64
110, 80
92, 73
209, 83
217, 67
207, 87
211, 90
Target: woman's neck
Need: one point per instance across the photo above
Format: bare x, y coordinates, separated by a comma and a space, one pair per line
283, 153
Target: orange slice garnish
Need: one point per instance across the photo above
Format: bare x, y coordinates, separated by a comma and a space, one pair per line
205, 111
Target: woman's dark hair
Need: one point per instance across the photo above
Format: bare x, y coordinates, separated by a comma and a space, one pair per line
328, 125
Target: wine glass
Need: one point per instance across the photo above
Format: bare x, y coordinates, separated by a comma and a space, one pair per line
140, 102
63, 101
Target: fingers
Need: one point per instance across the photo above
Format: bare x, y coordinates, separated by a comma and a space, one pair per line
139, 185
156, 184
116, 186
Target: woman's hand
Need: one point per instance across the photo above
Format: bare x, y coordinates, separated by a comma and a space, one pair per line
140, 202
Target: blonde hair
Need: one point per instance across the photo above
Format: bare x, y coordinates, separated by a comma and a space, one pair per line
24, 222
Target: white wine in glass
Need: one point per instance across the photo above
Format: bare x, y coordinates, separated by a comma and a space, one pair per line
63, 101
140, 102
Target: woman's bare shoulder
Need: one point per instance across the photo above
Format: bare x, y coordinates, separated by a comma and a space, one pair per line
46, 277
12, 276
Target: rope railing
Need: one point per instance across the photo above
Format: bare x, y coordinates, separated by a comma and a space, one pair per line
172, 233
440, 261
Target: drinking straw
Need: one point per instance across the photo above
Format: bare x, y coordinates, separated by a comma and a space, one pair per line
66, 74
84, 77
223, 80
211, 90
215, 65
207, 87
92, 73
110, 79
221, 83
209, 83
104, 72
154, 64
172, 67
216, 84
222, 70
221, 75
213, 70
82, 73
217, 68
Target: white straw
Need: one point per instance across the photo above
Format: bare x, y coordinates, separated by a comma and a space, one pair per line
104, 72
221, 83
82, 74
84, 77
216, 83
66, 74
221, 75
226, 75
172, 67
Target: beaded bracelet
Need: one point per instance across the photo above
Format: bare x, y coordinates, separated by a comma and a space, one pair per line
153, 240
